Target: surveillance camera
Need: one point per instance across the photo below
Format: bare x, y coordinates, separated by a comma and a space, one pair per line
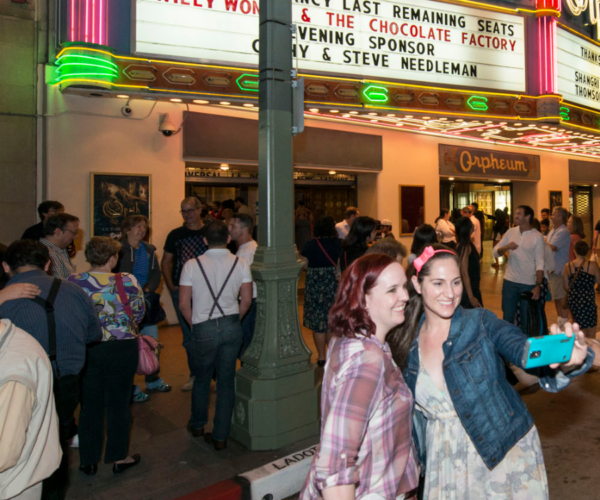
166, 126
127, 111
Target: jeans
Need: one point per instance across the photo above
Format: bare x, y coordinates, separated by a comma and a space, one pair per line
248, 323
215, 345
511, 300
151, 331
185, 329
66, 397
106, 390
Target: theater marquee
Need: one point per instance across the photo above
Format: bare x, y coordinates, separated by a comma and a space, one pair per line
578, 70
417, 40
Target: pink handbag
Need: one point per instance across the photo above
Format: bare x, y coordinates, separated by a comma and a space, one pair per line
148, 347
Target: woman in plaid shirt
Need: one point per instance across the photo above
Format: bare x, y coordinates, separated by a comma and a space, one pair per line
366, 448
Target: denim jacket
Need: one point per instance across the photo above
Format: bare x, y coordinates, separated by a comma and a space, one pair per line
491, 411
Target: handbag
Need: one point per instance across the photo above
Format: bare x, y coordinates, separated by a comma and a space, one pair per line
154, 311
148, 347
565, 302
337, 271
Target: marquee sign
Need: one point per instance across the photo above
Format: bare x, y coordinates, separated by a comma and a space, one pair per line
416, 40
578, 70
472, 162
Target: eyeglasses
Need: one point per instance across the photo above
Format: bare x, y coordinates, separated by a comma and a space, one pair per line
74, 232
183, 212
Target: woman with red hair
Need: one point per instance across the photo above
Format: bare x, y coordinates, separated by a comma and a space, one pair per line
366, 448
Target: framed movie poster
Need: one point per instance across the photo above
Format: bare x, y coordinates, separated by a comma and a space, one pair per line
114, 197
555, 199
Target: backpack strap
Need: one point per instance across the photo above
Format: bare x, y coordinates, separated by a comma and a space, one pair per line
48, 306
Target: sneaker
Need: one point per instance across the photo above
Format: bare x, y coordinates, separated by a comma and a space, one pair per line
158, 385
189, 385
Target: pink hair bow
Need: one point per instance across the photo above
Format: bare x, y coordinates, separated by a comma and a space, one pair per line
429, 252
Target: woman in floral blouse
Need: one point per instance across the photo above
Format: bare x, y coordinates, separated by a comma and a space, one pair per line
111, 364
366, 447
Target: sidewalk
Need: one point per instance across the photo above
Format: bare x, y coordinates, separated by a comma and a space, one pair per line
175, 464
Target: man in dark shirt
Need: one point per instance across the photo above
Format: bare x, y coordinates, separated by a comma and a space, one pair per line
479, 215
183, 243
77, 324
45, 209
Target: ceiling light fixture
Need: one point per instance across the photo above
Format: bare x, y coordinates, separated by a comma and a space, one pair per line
123, 96
225, 103
332, 172
174, 99
224, 166
202, 101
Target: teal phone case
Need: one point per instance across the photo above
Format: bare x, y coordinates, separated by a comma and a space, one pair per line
543, 351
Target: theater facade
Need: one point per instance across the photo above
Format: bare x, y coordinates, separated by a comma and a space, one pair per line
409, 106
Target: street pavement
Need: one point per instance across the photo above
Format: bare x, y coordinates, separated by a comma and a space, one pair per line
175, 464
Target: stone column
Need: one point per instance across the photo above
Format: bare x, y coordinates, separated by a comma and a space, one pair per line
276, 398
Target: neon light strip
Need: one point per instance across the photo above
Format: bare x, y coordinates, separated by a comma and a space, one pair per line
112, 70
72, 13
94, 21
87, 57
87, 38
60, 77
100, 22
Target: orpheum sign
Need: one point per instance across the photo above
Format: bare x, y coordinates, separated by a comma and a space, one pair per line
459, 161
417, 40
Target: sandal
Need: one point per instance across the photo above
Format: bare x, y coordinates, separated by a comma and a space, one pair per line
158, 385
140, 397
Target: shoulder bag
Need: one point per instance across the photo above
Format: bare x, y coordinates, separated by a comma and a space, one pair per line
338, 273
148, 347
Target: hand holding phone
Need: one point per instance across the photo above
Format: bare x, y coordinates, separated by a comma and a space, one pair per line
580, 349
548, 350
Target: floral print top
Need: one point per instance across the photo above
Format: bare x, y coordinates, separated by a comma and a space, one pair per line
102, 289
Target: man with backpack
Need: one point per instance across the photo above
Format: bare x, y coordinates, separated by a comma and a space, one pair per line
63, 320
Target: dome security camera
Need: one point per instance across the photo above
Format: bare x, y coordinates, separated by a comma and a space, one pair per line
126, 111
166, 126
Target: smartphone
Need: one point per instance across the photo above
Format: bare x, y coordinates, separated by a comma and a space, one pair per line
543, 351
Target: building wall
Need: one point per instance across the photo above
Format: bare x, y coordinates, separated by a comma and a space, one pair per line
18, 122
90, 135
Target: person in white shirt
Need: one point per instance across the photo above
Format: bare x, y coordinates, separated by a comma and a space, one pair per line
343, 228
476, 236
209, 288
445, 228
240, 230
525, 267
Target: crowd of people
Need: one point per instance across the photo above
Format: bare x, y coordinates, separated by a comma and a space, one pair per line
415, 378
87, 324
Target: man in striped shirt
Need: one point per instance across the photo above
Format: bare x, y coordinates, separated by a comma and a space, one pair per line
59, 232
